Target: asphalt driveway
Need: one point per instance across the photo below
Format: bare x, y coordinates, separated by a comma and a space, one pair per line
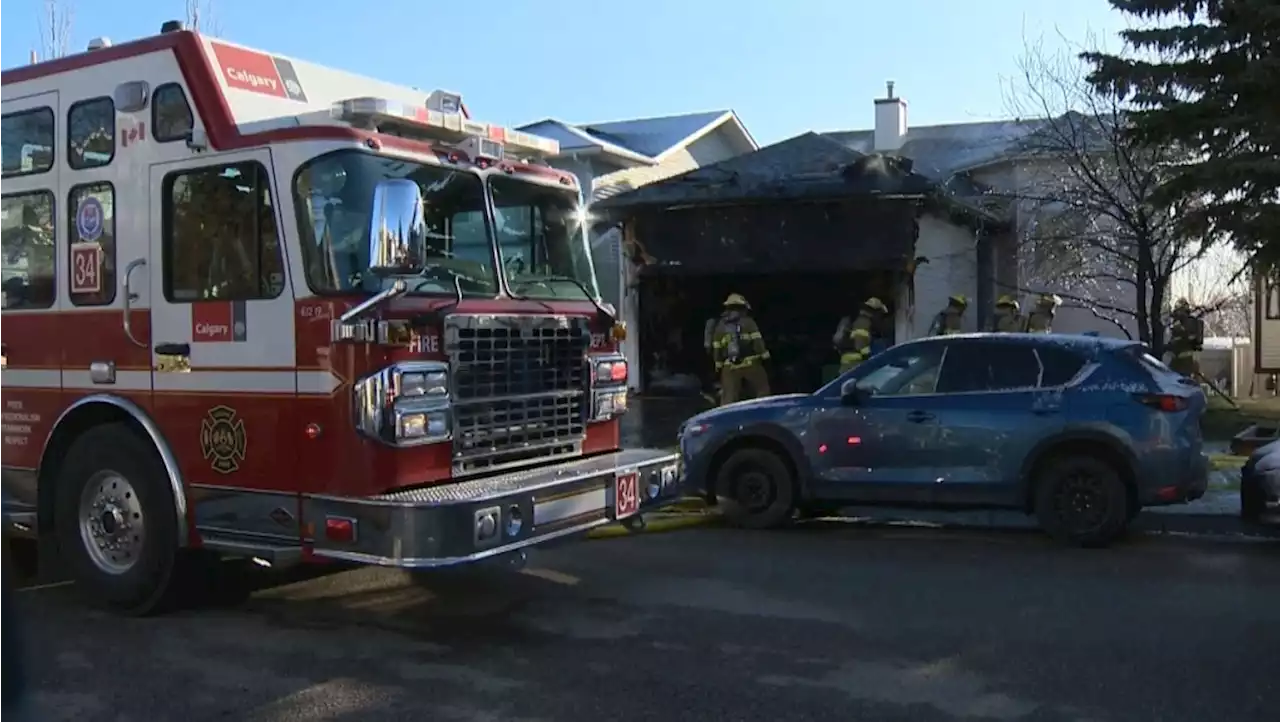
838, 624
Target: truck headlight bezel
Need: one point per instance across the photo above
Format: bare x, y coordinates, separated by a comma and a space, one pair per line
405, 404
609, 375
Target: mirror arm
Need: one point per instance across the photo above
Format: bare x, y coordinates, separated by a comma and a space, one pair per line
398, 289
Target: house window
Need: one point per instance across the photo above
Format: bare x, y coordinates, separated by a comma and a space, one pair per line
28, 257
27, 138
91, 226
171, 117
91, 133
220, 238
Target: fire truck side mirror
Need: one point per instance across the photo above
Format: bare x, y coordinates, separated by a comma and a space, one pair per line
398, 228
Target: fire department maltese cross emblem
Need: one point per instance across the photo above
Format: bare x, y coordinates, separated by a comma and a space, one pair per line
222, 439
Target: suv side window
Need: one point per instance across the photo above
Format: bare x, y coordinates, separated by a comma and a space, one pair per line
1060, 365
979, 366
905, 371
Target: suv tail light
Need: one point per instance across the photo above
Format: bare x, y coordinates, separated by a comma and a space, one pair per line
1163, 402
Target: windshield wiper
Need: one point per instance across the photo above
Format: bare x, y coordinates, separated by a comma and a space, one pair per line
604, 311
444, 310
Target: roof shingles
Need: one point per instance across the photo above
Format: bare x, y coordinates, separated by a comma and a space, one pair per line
648, 137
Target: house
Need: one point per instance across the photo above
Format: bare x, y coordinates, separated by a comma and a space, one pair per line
615, 157
806, 229
992, 164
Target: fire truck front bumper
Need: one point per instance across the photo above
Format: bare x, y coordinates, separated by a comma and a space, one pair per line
467, 521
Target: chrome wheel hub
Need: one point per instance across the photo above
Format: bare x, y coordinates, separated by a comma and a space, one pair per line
111, 523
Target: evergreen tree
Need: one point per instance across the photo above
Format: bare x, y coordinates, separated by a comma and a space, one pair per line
1205, 75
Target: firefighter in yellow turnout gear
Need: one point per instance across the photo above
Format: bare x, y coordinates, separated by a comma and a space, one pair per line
854, 336
1040, 320
1008, 316
1186, 339
950, 320
739, 352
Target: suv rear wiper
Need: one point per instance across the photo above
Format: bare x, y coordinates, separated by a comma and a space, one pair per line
604, 311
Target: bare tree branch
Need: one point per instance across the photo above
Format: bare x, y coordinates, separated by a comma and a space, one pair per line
201, 17
55, 29
1222, 297
1089, 229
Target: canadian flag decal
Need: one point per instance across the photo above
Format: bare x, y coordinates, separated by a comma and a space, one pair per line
136, 134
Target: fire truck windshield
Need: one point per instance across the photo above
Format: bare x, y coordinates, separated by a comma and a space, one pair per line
334, 198
541, 239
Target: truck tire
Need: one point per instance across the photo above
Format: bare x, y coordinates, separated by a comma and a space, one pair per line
756, 489
1081, 500
116, 521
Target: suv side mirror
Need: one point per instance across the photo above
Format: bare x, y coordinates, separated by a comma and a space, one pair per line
851, 394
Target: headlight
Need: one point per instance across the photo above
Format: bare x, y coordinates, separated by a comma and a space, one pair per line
611, 371
405, 404
422, 424
609, 404
423, 383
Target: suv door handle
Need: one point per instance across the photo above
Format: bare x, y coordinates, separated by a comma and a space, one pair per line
917, 417
173, 349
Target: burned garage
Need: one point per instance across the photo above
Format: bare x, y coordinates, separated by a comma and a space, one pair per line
806, 230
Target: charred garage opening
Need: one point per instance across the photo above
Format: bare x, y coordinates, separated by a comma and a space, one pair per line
806, 230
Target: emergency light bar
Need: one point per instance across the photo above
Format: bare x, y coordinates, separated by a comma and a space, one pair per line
441, 118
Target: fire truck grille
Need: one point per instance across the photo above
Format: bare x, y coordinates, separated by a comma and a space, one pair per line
519, 389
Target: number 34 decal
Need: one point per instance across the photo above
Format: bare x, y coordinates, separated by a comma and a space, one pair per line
86, 264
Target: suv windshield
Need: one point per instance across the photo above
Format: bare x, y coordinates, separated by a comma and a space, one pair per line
334, 198
541, 239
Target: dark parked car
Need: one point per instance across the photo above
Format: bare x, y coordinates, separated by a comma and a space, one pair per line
1080, 431
1260, 484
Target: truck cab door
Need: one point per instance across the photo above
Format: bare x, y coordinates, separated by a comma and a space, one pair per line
31, 358
222, 335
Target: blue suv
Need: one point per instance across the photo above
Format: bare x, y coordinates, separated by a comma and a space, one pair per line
1080, 431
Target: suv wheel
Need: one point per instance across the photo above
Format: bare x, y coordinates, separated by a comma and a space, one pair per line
1081, 500
756, 489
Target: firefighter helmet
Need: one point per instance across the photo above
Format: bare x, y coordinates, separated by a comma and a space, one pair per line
736, 299
875, 304
1182, 305
1007, 301
1049, 299
958, 300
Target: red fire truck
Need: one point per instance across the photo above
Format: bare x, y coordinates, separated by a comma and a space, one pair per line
334, 319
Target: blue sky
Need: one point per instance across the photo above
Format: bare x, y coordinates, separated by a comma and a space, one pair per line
786, 66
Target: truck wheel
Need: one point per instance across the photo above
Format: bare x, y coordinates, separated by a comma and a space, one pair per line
1081, 500
756, 489
116, 522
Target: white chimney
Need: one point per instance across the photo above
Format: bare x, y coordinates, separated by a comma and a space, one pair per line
891, 122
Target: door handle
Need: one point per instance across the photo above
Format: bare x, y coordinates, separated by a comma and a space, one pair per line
173, 349
129, 298
917, 417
